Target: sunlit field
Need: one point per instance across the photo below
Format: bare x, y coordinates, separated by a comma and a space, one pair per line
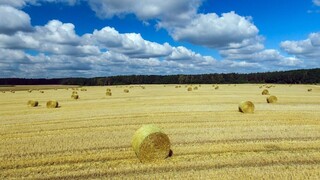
210, 139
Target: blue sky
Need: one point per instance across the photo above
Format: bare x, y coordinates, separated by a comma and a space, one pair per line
76, 38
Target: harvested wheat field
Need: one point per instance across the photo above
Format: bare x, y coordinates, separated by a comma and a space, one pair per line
209, 138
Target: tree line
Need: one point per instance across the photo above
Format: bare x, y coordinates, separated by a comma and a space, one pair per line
303, 76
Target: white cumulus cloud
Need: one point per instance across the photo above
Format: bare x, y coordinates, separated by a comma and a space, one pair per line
130, 44
304, 49
13, 20
57, 32
22, 3
216, 32
165, 10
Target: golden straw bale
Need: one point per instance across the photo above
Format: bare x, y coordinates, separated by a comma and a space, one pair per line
126, 90
150, 144
108, 93
265, 92
33, 103
246, 107
272, 99
75, 96
52, 104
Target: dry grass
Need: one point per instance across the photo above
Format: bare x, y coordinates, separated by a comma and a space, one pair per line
210, 139
32, 87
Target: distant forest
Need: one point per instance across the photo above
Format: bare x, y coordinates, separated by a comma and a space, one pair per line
303, 76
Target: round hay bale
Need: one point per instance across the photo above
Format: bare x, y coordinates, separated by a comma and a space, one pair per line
246, 107
126, 91
30, 90
75, 96
83, 89
216, 88
41, 91
195, 88
272, 99
3, 92
33, 103
189, 89
74, 92
108, 93
150, 144
309, 90
265, 92
108, 90
52, 104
